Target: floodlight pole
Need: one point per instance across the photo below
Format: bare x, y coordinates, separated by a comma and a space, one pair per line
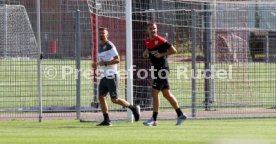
207, 55
5, 30
78, 66
194, 75
39, 58
129, 64
257, 16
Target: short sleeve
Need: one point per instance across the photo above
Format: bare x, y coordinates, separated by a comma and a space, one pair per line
167, 45
113, 52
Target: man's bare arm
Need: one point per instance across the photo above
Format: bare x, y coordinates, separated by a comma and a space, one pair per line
170, 51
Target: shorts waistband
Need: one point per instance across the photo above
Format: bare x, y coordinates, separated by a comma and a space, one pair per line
111, 76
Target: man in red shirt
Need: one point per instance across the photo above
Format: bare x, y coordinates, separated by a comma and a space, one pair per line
157, 50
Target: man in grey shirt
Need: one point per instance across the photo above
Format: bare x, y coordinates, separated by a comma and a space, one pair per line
108, 58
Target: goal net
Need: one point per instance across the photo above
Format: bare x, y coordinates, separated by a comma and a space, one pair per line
18, 66
17, 37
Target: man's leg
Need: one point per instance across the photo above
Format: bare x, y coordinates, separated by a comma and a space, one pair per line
180, 116
135, 109
156, 104
106, 121
102, 99
168, 95
103, 104
120, 101
102, 94
113, 91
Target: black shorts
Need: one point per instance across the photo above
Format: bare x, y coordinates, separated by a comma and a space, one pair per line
161, 83
109, 84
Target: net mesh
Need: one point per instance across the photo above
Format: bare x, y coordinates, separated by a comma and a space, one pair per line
17, 36
18, 52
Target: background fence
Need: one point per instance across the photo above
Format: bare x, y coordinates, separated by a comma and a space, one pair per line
235, 40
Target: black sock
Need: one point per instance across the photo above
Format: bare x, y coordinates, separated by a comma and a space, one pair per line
131, 107
154, 115
179, 112
106, 117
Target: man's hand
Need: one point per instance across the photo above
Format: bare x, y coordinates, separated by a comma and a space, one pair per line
158, 55
96, 64
146, 54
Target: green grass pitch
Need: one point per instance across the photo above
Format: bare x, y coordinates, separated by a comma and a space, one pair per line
238, 131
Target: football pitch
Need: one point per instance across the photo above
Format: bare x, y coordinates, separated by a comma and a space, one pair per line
231, 131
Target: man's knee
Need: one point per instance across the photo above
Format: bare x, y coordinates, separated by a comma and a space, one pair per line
114, 100
102, 98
